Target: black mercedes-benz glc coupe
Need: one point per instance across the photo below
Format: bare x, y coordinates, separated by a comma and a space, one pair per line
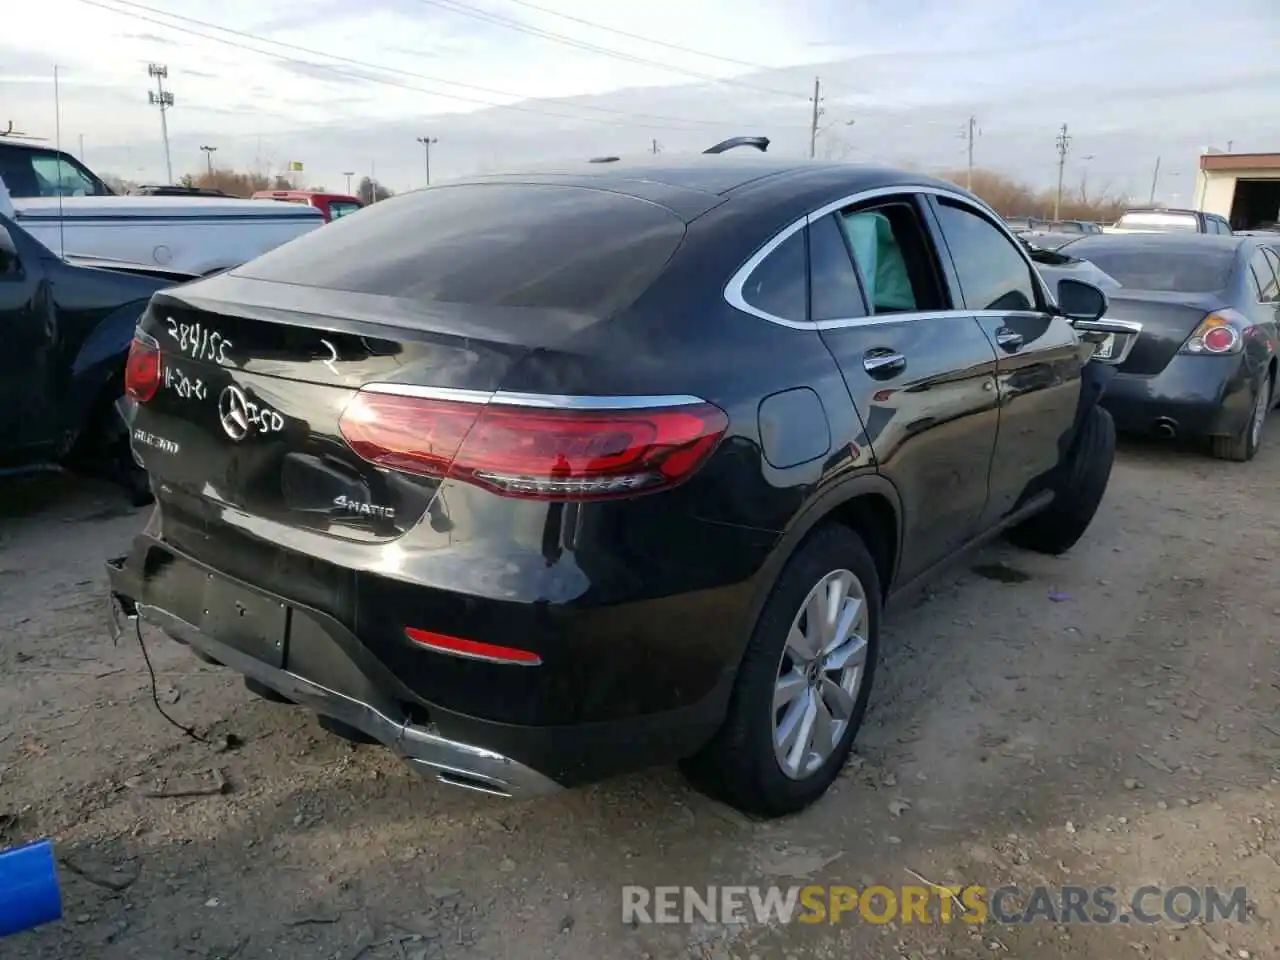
540, 478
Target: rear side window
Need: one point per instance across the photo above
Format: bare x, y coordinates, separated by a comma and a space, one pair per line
510, 245
1264, 277
777, 286
834, 292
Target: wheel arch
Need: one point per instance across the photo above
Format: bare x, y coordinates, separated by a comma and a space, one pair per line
866, 503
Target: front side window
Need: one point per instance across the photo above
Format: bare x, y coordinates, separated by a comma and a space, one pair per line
777, 286
993, 274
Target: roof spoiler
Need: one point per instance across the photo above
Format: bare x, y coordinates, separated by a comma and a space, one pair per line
760, 143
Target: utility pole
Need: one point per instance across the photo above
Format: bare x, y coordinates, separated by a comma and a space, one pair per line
162, 98
1155, 179
1064, 143
817, 112
426, 147
208, 157
349, 174
972, 132
657, 147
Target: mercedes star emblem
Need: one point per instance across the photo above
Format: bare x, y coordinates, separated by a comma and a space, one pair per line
233, 411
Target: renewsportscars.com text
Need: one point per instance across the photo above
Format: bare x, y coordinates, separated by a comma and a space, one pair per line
931, 904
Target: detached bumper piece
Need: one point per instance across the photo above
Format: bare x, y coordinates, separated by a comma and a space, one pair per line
266, 639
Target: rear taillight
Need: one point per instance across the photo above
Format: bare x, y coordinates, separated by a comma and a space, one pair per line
142, 368
533, 452
1218, 333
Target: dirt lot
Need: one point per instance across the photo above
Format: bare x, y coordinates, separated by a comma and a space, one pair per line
1105, 718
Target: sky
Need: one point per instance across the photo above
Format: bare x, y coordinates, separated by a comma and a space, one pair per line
349, 87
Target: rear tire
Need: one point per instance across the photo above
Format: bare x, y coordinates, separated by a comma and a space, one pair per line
784, 716
1244, 446
1078, 493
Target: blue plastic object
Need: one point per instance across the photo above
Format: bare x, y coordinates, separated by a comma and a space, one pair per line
29, 891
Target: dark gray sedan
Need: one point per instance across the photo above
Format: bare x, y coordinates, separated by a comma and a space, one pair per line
1201, 361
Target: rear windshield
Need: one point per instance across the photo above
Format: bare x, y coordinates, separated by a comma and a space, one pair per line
493, 244
1158, 221
1171, 271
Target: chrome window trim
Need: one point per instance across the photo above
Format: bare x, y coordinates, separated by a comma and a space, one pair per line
733, 289
543, 401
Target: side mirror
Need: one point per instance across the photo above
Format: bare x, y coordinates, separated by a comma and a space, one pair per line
1081, 301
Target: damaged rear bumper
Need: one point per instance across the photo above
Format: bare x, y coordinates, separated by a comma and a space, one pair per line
449, 761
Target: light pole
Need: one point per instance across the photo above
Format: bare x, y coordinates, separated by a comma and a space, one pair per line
349, 174
426, 149
208, 157
162, 98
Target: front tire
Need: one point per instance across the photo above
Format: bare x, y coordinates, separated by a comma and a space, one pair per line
1078, 493
803, 684
1244, 445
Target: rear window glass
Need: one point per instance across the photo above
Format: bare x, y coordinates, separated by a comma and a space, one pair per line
1171, 271
1158, 221
511, 245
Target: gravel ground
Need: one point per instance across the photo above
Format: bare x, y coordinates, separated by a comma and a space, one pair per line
1105, 718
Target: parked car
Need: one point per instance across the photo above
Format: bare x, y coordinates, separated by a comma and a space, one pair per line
1157, 219
1069, 226
1054, 265
171, 190
1201, 361
69, 209
541, 478
1024, 224
68, 323
332, 205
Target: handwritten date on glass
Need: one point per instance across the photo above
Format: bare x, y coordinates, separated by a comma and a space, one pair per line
188, 388
198, 342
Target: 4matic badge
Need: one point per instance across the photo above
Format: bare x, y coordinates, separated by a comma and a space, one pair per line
351, 505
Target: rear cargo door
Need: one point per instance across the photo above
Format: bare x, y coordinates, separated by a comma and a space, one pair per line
439, 293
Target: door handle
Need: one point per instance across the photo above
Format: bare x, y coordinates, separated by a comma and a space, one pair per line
1009, 339
882, 363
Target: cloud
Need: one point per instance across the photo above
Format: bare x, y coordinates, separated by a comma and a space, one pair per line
1132, 81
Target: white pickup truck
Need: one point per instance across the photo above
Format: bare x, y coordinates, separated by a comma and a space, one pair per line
72, 212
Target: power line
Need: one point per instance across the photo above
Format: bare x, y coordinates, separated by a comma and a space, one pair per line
642, 39
484, 15
373, 66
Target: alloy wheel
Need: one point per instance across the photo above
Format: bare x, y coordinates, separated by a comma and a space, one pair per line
820, 673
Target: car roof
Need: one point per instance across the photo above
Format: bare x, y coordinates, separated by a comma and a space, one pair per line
1155, 241
1158, 209
29, 144
707, 173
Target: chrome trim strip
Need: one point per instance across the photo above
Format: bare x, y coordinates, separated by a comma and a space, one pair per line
429, 393
425, 749
542, 401
733, 289
1107, 325
580, 402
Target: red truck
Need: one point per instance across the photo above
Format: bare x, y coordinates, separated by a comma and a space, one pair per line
332, 205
